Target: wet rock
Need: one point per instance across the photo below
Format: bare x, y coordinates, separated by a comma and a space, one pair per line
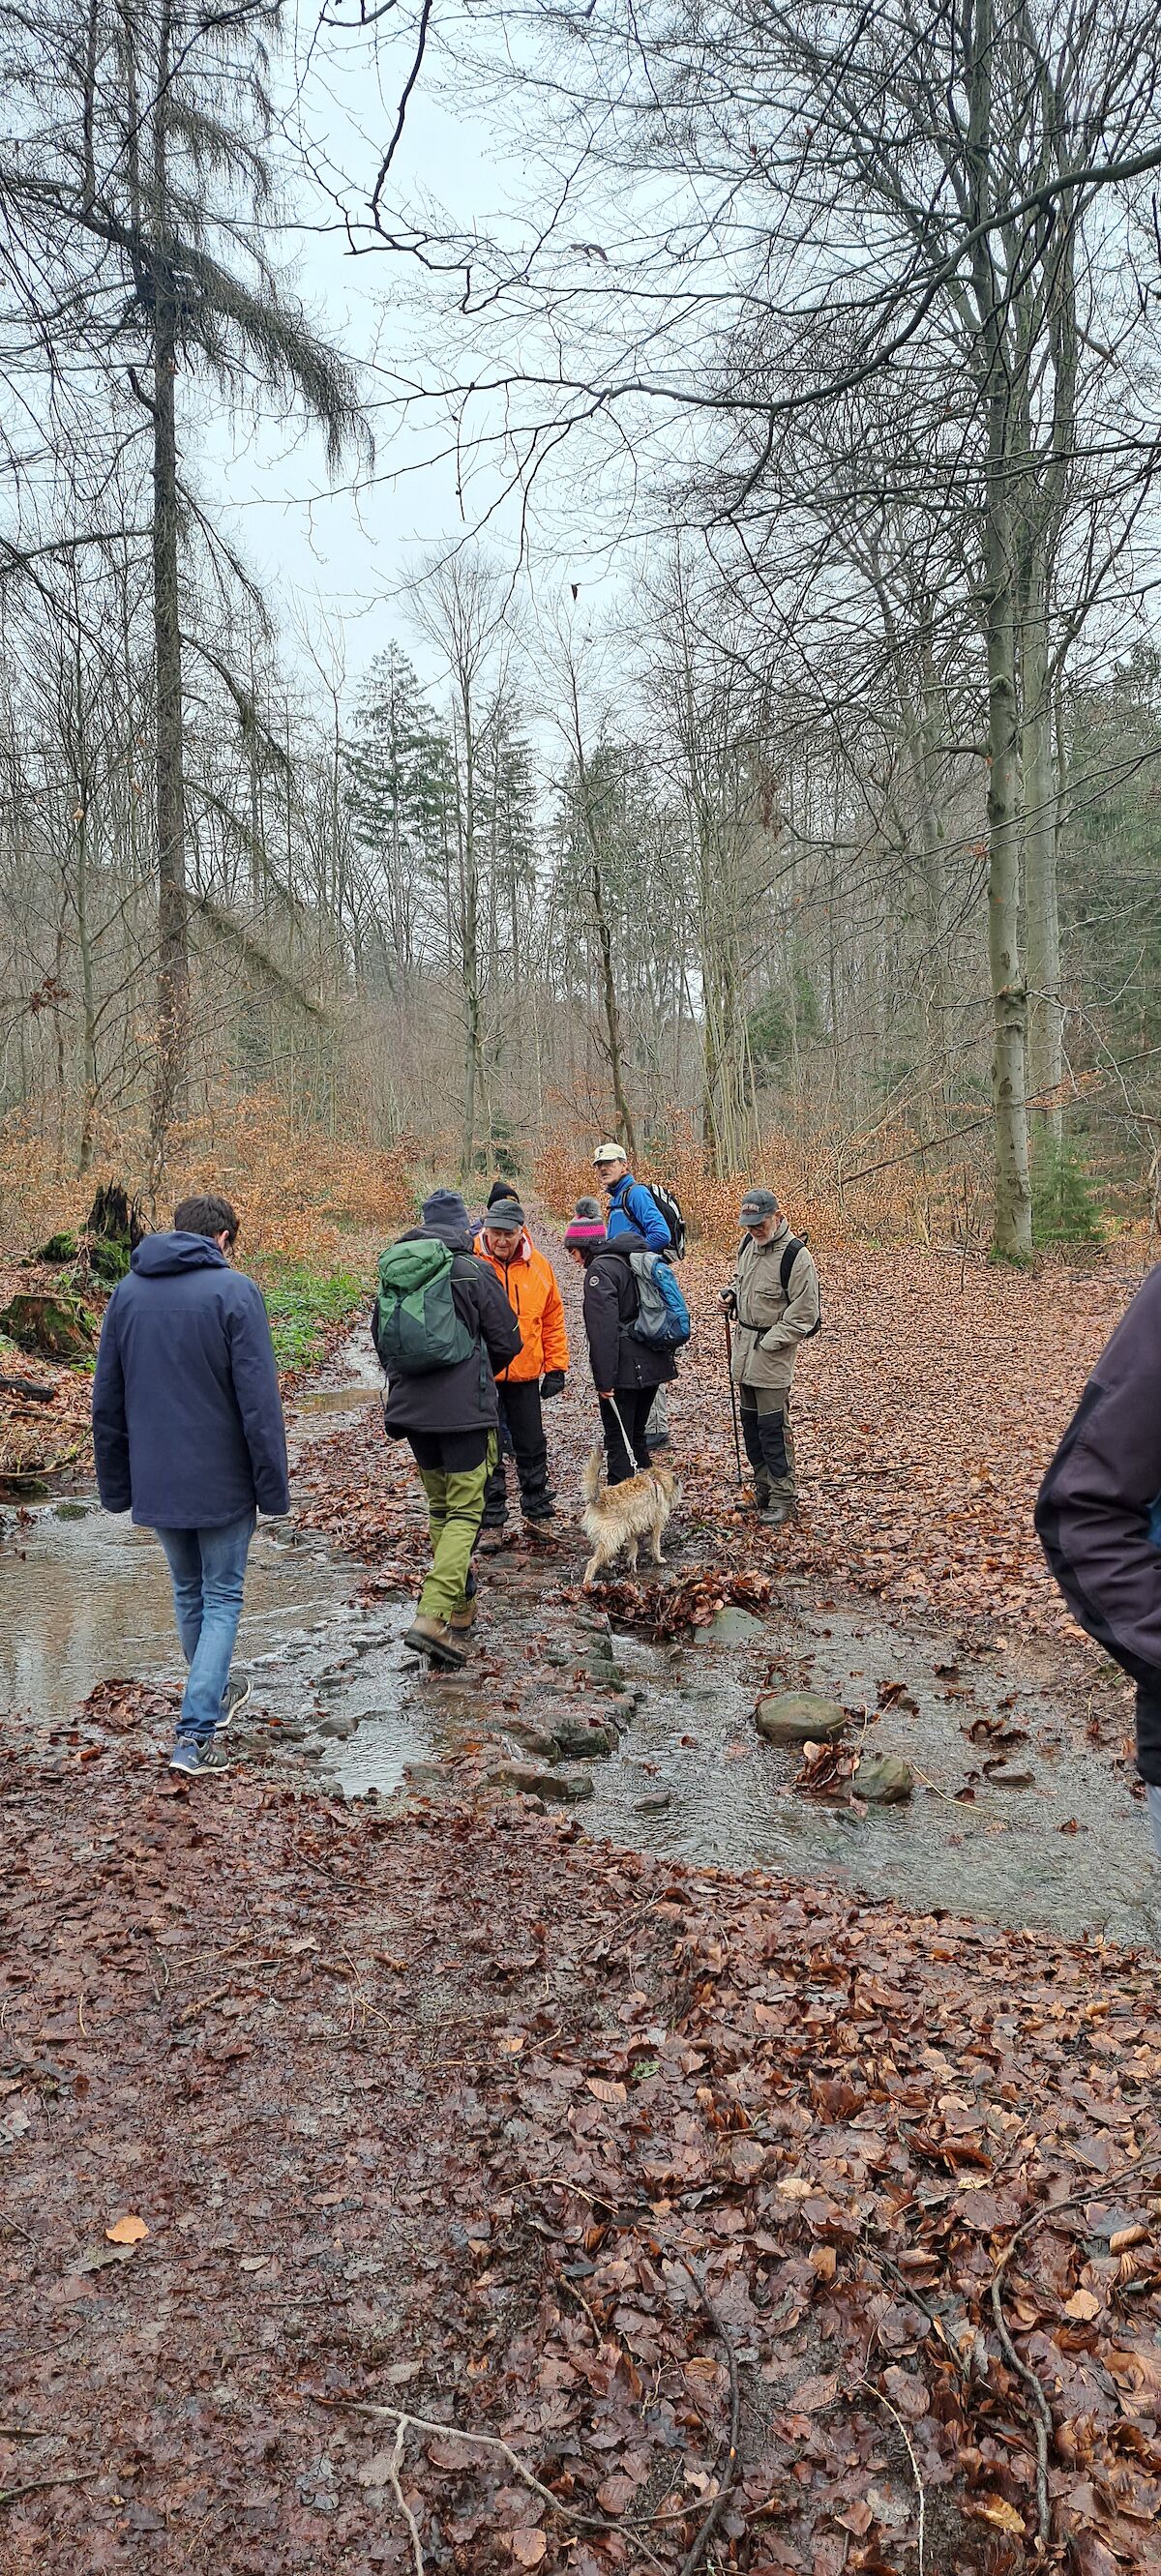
538, 1740
730, 1628
583, 1738
655, 1804
883, 1779
532, 1782
424, 1775
800, 1717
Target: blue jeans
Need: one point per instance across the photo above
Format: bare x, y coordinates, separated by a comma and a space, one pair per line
208, 1571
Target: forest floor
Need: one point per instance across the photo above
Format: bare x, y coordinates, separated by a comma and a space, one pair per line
770, 2226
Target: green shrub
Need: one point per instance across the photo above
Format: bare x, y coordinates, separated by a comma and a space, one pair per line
301, 1302
1063, 1205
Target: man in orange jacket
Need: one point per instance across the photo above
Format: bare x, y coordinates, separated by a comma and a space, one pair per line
539, 1368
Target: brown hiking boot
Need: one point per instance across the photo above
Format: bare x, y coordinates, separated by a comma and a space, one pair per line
490, 1542
463, 1618
433, 1638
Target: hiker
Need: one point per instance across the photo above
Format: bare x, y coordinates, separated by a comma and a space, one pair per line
774, 1305
632, 1207
443, 1329
632, 1204
1098, 1517
626, 1371
538, 1370
189, 1436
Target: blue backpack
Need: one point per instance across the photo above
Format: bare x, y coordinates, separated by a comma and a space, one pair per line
662, 1317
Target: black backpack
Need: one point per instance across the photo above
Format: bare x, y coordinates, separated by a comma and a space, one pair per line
667, 1206
790, 1252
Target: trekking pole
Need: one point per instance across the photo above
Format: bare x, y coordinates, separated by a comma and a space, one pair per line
733, 1391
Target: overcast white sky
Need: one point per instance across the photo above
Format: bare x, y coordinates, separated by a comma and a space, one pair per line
341, 555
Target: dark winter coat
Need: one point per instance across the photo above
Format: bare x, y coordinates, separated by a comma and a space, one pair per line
187, 1417
462, 1398
609, 1305
634, 1210
1099, 1510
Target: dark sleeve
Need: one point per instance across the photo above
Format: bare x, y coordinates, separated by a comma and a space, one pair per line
502, 1337
1099, 1509
110, 1428
255, 1378
602, 1316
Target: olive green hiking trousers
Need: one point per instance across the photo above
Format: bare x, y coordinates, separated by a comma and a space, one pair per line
455, 1508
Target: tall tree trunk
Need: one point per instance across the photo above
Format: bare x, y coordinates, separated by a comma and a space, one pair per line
172, 918
623, 1116
1041, 899
1013, 1216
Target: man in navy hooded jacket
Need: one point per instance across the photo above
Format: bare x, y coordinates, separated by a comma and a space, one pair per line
189, 1436
1099, 1516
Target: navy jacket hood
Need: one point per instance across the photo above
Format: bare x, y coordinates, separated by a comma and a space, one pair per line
158, 1256
187, 1419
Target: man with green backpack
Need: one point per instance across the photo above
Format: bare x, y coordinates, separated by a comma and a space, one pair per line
442, 1327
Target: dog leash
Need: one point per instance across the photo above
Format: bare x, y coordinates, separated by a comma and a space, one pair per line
621, 1428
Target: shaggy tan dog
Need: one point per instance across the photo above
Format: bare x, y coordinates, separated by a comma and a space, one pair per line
617, 1516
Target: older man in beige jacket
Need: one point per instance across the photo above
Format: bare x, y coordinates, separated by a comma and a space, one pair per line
773, 1300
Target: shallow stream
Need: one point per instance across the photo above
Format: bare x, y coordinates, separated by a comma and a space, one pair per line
85, 1598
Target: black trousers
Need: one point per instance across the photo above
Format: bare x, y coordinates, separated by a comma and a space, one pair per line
765, 1418
633, 1404
521, 1432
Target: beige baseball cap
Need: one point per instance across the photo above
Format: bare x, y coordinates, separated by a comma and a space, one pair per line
610, 1153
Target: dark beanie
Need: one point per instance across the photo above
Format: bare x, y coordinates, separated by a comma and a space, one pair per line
446, 1208
500, 1190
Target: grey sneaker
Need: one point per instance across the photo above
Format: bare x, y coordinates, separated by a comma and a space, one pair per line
198, 1761
236, 1695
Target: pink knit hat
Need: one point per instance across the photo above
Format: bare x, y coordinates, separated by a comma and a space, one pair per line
584, 1234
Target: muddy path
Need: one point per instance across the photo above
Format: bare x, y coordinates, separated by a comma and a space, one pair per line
1014, 1817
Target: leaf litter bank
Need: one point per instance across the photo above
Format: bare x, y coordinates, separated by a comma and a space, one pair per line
553, 2144
767, 2228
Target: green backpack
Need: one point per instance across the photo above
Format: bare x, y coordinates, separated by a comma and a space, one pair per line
417, 1327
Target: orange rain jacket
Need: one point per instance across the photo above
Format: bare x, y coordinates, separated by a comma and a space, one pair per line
529, 1283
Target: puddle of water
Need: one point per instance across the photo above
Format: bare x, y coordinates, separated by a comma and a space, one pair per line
730, 1798
85, 1597
351, 1380
1004, 1856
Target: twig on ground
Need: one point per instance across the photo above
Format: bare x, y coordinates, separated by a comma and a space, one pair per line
62, 2478
18, 2230
1043, 2427
489, 2442
205, 2003
885, 2264
920, 2490
727, 2481
393, 2467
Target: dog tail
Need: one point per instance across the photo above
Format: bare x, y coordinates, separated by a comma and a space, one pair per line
591, 1481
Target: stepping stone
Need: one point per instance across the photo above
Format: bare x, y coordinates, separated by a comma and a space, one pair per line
883, 1779
800, 1717
729, 1628
532, 1782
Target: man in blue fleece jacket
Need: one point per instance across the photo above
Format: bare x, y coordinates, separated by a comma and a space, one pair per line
189, 1436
